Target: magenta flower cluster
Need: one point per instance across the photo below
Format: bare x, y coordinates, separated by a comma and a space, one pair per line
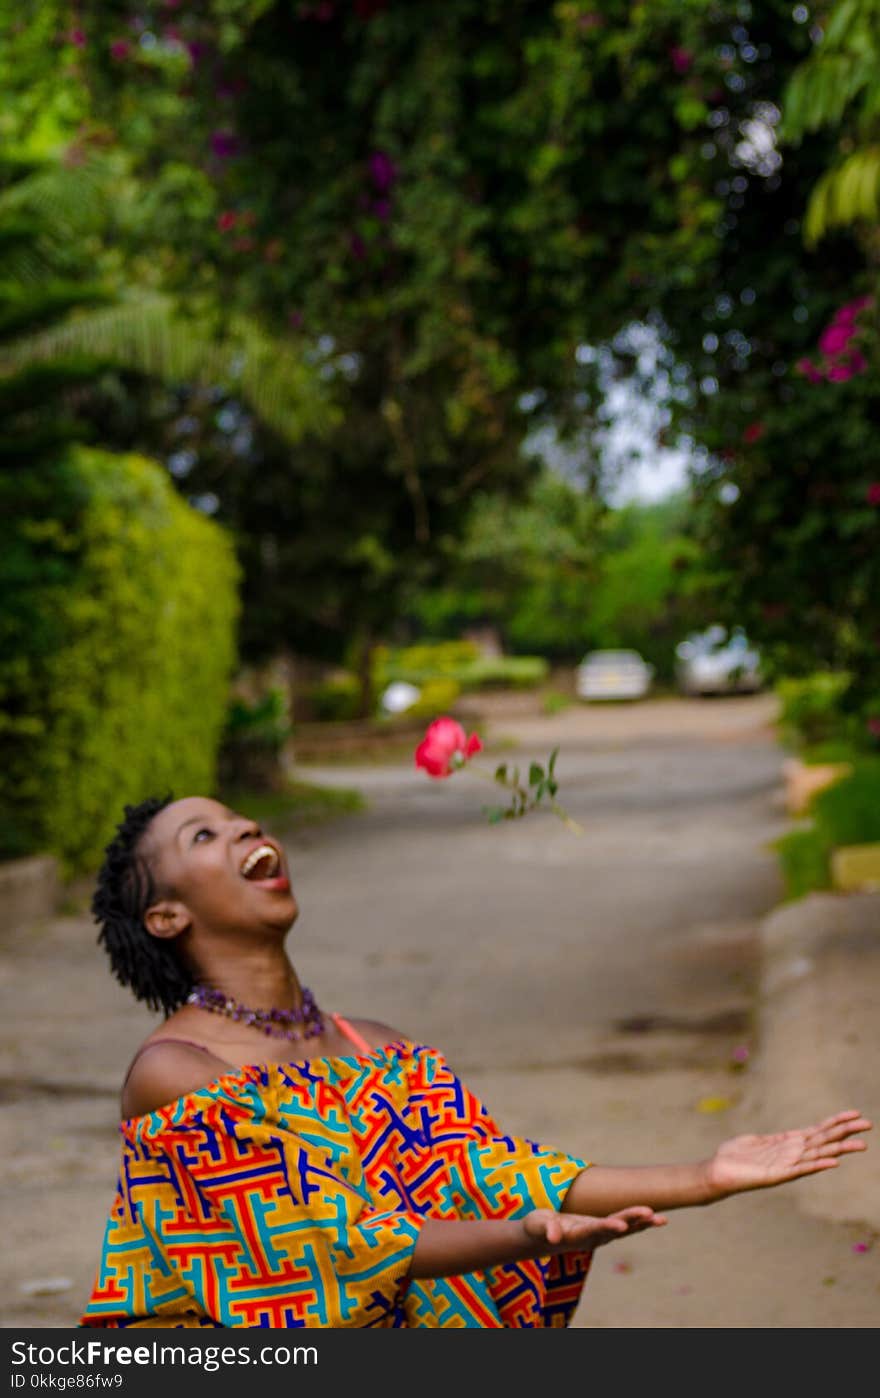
840, 358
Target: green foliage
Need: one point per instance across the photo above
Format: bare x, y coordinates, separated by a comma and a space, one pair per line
427, 661
293, 804
334, 699
804, 862
457, 661
810, 709
504, 672
846, 813
265, 722
839, 87
555, 702
560, 574
120, 690
437, 697
848, 193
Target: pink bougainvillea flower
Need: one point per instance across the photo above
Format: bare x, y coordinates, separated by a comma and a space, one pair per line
850, 310
840, 373
836, 337
740, 1054
383, 171
226, 220
120, 49
872, 494
77, 38
861, 1247
224, 144
754, 432
445, 747
682, 59
809, 370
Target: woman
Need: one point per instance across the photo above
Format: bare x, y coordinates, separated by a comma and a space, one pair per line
285, 1168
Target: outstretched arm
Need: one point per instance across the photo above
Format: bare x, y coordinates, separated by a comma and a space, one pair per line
446, 1249
744, 1162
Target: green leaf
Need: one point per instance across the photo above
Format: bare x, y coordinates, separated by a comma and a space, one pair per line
501, 773
494, 814
552, 763
552, 787
536, 774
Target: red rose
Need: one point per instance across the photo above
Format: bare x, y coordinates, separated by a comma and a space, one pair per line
445, 746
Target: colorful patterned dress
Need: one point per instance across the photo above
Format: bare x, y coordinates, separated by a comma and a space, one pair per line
287, 1195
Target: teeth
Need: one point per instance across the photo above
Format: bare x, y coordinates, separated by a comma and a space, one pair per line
262, 854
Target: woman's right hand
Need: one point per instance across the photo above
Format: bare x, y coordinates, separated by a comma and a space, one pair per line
563, 1232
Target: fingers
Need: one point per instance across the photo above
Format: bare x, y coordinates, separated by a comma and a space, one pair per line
836, 1131
834, 1148
625, 1222
850, 1120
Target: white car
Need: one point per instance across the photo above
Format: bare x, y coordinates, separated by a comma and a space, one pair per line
613, 674
718, 661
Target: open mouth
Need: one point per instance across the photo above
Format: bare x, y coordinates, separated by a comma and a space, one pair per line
264, 862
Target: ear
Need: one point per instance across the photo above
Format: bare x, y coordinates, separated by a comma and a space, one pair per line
167, 918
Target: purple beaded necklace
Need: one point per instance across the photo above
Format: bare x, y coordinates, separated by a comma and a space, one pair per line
279, 1024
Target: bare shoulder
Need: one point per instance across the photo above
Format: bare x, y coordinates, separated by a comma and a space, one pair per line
166, 1069
377, 1034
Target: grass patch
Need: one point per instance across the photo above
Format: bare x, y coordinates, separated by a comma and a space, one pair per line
354, 755
847, 813
297, 804
553, 701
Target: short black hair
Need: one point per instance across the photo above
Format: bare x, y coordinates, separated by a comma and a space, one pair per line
150, 966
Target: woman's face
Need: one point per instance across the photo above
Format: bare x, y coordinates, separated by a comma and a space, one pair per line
220, 873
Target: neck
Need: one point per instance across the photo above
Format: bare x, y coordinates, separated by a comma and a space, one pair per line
260, 979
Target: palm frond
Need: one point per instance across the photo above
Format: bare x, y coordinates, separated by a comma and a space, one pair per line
148, 334
846, 194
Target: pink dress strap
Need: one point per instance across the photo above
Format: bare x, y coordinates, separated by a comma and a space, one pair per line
350, 1033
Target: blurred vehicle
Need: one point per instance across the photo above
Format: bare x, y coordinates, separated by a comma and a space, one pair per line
718, 661
613, 674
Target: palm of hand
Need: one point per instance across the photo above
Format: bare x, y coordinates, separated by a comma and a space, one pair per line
754, 1162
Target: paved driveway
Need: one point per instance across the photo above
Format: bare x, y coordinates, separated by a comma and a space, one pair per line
593, 989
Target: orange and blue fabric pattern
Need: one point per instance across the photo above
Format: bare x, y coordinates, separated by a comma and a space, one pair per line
287, 1195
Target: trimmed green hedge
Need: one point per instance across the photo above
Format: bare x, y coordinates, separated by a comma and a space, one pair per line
847, 813
460, 661
118, 642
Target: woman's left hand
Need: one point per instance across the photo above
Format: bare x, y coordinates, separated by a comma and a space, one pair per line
755, 1162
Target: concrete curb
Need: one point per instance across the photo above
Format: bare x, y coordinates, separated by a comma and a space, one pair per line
30, 889
819, 1035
